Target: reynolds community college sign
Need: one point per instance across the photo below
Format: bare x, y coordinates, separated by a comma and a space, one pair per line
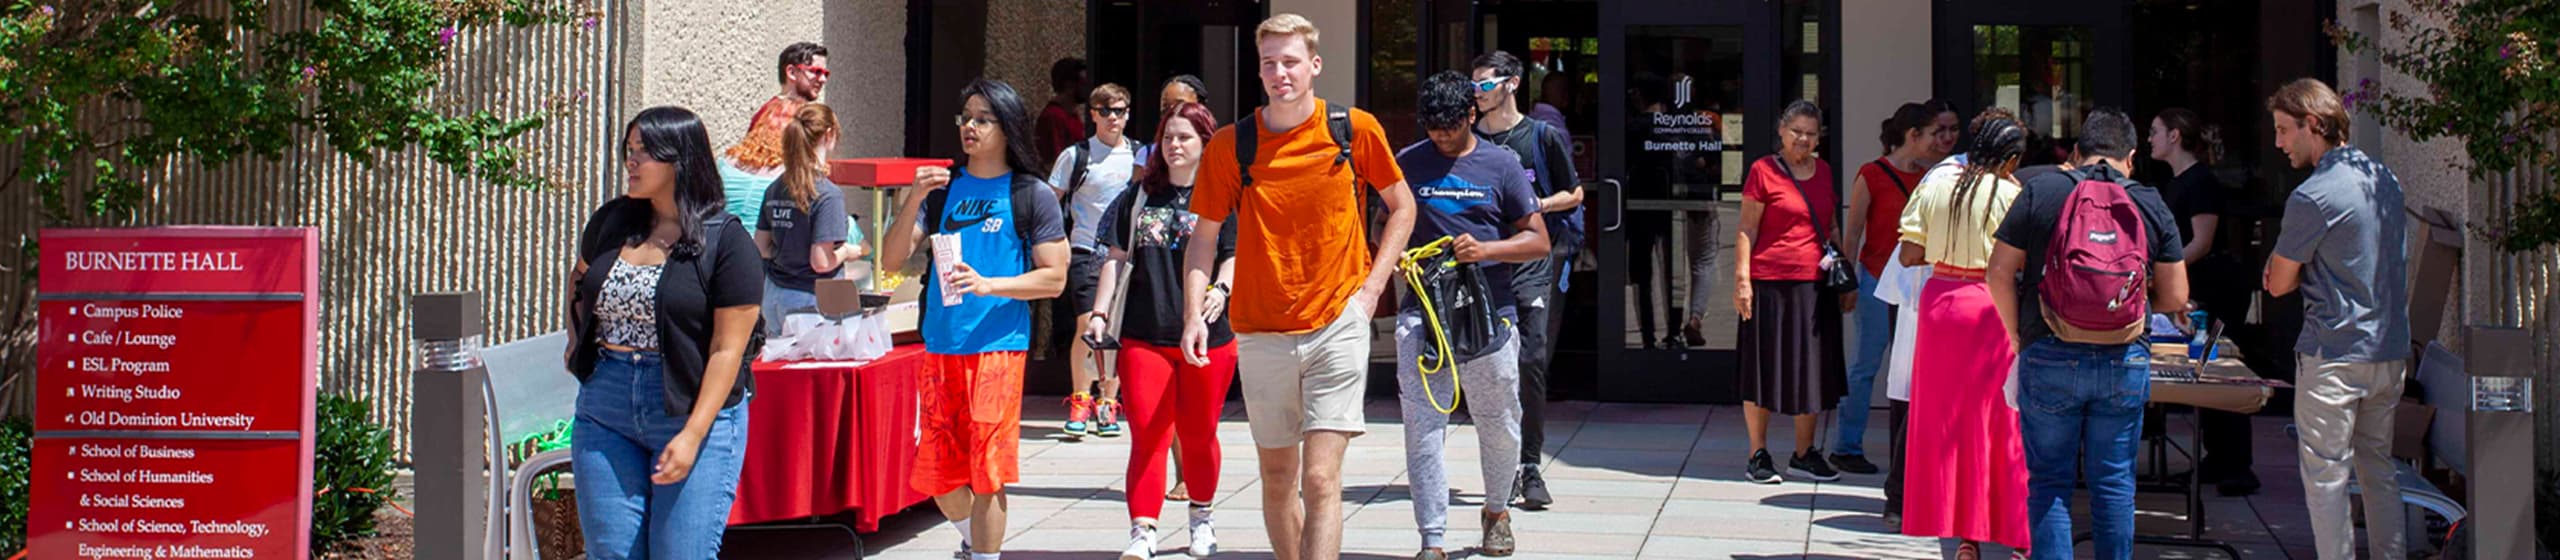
175, 379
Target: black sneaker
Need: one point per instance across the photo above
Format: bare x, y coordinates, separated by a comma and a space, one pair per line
1811, 465
1853, 464
1763, 470
1533, 490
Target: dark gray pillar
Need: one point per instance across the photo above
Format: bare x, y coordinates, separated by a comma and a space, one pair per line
2501, 442
447, 422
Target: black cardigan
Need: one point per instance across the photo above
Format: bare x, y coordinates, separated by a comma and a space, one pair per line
722, 271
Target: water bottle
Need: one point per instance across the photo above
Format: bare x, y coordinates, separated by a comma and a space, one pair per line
2200, 344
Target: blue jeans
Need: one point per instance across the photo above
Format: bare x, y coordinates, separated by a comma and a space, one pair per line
1875, 334
622, 425
2071, 397
781, 302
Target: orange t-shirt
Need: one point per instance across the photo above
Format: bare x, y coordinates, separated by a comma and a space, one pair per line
1302, 249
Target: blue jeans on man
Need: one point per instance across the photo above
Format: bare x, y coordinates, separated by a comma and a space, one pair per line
1874, 319
2073, 397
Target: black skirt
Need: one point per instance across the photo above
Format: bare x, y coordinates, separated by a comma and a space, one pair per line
1791, 353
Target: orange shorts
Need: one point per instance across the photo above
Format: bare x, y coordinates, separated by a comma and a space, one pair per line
970, 423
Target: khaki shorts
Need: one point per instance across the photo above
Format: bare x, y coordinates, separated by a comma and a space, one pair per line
1312, 381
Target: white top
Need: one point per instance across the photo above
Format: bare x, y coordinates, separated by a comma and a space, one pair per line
1106, 175
1900, 285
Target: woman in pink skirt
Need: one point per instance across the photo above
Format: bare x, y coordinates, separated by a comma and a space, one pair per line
1968, 466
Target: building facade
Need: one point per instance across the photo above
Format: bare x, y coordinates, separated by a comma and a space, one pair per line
1662, 195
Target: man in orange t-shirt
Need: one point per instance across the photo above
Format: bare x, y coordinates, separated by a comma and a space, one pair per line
1305, 282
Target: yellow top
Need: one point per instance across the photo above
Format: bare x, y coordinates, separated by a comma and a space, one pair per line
1930, 219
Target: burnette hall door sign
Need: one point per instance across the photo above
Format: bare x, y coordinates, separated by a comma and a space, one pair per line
174, 381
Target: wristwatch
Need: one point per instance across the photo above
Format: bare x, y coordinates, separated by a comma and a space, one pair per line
1219, 290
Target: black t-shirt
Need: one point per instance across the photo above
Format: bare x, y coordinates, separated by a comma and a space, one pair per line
701, 276
2192, 194
1154, 309
2029, 227
1524, 139
795, 229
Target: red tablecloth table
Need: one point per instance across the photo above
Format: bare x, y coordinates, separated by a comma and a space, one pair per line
823, 440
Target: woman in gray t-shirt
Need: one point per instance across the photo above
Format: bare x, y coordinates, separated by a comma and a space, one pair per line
802, 228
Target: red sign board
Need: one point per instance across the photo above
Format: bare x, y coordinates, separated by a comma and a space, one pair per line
175, 381
170, 365
227, 498
183, 260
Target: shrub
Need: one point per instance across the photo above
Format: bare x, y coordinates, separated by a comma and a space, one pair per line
17, 444
351, 472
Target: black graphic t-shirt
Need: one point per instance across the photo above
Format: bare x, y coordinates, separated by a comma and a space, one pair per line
1154, 310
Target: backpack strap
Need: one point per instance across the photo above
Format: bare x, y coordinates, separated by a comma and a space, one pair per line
1247, 133
1538, 155
1075, 175
1337, 121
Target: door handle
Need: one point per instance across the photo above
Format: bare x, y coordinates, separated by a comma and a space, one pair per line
1612, 196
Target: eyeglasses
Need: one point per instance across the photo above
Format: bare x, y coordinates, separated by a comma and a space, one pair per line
1487, 85
1112, 112
821, 71
966, 121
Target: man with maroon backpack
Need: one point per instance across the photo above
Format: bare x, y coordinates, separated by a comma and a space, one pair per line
2084, 257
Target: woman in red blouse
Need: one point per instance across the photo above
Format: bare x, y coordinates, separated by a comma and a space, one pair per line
1791, 363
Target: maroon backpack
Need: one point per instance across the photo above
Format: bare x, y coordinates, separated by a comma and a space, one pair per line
2096, 287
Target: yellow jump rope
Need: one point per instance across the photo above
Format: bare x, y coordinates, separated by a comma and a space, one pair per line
1415, 265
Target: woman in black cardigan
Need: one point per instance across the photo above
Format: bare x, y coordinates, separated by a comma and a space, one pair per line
663, 317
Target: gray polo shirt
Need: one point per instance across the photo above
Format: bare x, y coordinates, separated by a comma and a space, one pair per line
2348, 227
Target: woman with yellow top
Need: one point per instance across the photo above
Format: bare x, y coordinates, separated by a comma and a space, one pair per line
1968, 465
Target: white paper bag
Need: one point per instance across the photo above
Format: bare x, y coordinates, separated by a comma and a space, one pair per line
795, 324
946, 254
869, 336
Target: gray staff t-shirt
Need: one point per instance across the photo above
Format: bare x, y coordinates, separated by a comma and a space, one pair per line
795, 230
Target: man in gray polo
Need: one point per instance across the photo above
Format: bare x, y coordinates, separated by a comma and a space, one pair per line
2344, 245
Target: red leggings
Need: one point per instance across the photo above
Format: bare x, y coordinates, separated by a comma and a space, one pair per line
1163, 395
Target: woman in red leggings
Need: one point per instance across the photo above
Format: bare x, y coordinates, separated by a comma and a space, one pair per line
1141, 289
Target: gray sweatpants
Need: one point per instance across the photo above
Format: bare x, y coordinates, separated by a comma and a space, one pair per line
1492, 398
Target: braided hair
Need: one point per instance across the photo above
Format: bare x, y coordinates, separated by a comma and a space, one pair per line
1996, 143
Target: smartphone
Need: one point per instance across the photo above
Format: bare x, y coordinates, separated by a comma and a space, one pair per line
1101, 342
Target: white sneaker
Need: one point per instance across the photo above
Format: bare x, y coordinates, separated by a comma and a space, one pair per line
1204, 533
1142, 543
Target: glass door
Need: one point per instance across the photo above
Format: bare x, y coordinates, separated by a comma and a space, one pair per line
2051, 67
1685, 87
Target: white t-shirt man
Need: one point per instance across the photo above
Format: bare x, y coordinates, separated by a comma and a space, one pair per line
1107, 173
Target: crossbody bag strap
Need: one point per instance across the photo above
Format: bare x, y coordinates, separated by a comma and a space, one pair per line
1821, 230
1891, 174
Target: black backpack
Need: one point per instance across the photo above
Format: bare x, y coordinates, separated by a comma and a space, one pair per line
1337, 120
1023, 184
1337, 125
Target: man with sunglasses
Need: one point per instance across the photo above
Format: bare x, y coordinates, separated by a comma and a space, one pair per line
1546, 158
756, 161
1089, 176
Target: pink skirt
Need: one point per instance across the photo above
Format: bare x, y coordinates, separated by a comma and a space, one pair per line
1968, 466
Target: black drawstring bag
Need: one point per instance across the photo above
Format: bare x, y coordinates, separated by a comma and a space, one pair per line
1456, 305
